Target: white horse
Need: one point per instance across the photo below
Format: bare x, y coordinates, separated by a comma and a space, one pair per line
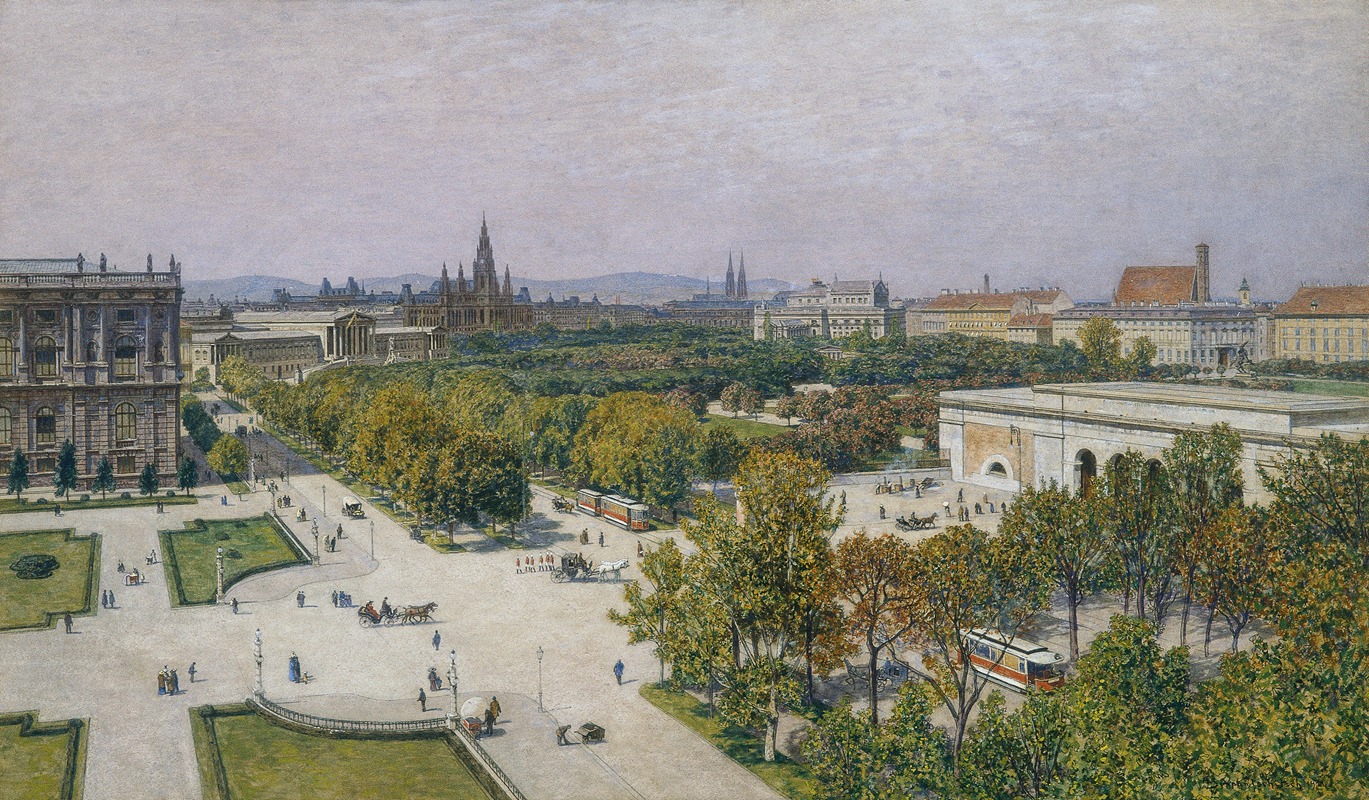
616, 567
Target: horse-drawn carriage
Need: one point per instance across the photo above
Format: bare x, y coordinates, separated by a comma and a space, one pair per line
368, 616
563, 505
916, 523
576, 567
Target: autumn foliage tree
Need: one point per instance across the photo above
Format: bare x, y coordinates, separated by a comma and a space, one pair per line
874, 578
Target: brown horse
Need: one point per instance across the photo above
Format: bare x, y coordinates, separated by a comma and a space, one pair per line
415, 614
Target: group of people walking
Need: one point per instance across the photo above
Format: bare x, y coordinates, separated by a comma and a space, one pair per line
543, 563
106, 598
168, 682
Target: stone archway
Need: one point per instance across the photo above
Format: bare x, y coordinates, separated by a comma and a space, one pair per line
1085, 471
996, 467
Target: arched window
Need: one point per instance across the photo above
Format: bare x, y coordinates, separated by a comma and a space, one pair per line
45, 357
1088, 471
125, 357
45, 426
998, 469
6, 357
6, 426
157, 352
125, 422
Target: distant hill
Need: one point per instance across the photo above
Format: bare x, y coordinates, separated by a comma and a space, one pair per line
646, 288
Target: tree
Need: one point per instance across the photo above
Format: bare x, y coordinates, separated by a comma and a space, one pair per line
1204, 469
1014, 755
1101, 341
695, 403
229, 456
751, 402
669, 463
732, 397
720, 453
148, 482
648, 615
18, 473
855, 759
65, 478
874, 578
188, 475
636, 444
787, 407
202, 376
239, 378
499, 479
1233, 570
104, 482
764, 572
1065, 530
1140, 521
1142, 356
967, 580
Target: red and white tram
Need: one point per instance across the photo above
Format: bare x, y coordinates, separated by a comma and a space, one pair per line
1016, 663
588, 501
625, 513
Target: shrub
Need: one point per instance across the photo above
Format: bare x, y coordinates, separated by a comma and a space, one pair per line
84, 498
170, 492
233, 553
125, 495
41, 500
35, 566
221, 536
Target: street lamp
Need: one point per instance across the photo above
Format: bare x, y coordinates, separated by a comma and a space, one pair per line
256, 654
325, 500
539, 679
373, 540
451, 681
218, 570
316, 558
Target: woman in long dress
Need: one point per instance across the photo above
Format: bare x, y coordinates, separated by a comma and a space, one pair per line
294, 668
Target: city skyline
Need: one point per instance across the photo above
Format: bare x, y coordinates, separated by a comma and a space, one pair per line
1040, 145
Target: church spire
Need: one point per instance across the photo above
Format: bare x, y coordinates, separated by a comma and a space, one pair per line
731, 289
741, 278
508, 285
460, 277
445, 286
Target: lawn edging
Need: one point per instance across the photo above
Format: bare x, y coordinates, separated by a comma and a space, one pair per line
172, 568
784, 775
92, 582
74, 770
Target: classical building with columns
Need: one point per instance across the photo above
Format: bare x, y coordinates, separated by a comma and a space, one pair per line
1010, 438
91, 354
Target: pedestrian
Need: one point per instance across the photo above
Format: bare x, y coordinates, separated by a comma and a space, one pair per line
640, 552
518, 566
917, 491
960, 496
56, 511
175, 682
235, 605
152, 557
561, 732
495, 708
618, 671
437, 640
191, 672
161, 683
881, 512
120, 568
434, 682
223, 500
335, 598
293, 669
339, 531
991, 511
159, 506
422, 700
66, 618
111, 599
104, 599
945, 504
843, 497
489, 722
978, 509
601, 538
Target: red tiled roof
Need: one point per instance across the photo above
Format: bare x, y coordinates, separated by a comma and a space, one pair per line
1166, 286
1030, 321
1329, 300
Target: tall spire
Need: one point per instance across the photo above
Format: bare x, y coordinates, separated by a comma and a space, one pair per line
445, 286
460, 277
741, 278
731, 290
508, 285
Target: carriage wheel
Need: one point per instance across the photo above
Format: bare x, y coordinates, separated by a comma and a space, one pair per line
365, 621
390, 620
558, 577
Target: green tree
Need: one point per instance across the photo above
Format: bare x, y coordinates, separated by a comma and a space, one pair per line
229, 456
967, 580
1101, 341
1014, 755
1140, 519
732, 397
65, 478
188, 475
1142, 358
622, 437
1204, 469
18, 473
649, 615
148, 482
670, 462
765, 572
202, 376
1065, 530
239, 378
1234, 569
874, 578
104, 482
720, 453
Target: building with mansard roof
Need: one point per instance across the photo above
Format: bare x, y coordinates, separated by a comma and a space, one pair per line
829, 311
481, 304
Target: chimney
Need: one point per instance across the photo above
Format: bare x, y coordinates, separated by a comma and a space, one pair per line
986, 283
1202, 292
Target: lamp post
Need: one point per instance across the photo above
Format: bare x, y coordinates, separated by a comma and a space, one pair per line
256, 654
539, 679
316, 558
373, 540
451, 681
325, 500
218, 571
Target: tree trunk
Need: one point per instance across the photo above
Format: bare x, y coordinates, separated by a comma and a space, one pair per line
660, 630
1207, 632
1074, 627
808, 656
1183, 620
772, 724
874, 680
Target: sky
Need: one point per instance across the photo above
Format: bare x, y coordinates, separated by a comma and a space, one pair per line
1042, 143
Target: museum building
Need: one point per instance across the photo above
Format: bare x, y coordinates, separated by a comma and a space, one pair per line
1067, 433
90, 353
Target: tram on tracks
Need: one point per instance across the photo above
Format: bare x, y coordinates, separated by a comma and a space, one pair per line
1016, 663
621, 511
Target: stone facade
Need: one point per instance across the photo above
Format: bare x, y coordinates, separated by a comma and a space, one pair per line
91, 354
574, 314
829, 311
1212, 335
1067, 433
1325, 324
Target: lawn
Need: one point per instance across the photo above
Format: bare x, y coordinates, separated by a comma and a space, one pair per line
39, 602
1339, 388
45, 760
261, 760
742, 427
784, 775
237, 487
12, 506
189, 554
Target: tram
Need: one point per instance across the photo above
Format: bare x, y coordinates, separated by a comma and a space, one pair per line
1016, 663
625, 513
588, 501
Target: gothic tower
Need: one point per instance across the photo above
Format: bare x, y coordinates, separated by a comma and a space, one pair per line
731, 290
482, 268
741, 278
1202, 289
